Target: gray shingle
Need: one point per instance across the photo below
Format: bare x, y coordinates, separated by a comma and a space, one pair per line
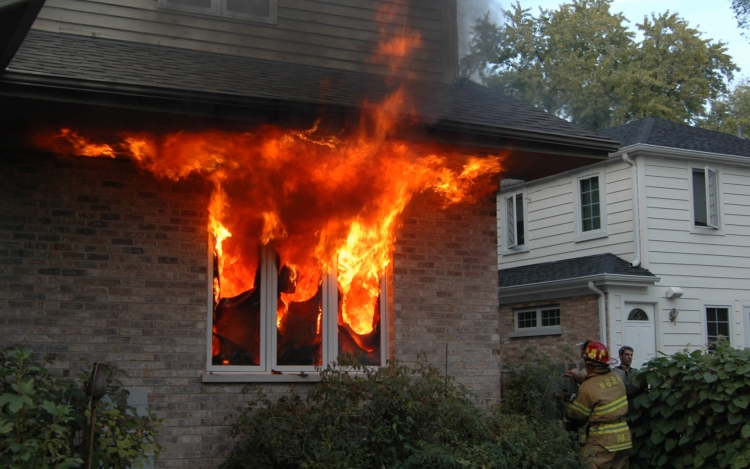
103, 60
653, 131
569, 269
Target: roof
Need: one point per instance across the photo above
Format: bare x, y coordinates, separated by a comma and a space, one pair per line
74, 62
569, 269
659, 132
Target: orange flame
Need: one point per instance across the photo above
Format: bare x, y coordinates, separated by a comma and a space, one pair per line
323, 201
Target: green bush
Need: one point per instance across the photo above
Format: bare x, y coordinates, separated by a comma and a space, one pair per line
396, 416
695, 411
44, 419
534, 386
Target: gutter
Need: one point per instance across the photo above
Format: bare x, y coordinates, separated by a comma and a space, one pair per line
565, 284
602, 313
668, 152
636, 210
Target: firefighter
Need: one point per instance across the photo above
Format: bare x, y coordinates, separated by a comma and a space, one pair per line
601, 404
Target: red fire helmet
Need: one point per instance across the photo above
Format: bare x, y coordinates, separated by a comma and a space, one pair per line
596, 351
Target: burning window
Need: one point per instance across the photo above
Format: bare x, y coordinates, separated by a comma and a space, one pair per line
291, 319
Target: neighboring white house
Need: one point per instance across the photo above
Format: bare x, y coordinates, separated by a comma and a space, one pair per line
659, 233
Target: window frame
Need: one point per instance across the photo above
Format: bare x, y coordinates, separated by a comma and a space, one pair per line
601, 232
512, 246
218, 9
728, 308
268, 340
711, 192
537, 330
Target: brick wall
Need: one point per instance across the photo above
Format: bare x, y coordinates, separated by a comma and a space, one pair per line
445, 276
579, 318
100, 261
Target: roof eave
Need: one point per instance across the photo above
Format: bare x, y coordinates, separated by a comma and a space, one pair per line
670, 152
575, 286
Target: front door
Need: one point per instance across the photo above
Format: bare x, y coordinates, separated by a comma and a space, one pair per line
639, 332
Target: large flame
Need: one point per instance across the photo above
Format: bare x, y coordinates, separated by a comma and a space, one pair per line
323, 200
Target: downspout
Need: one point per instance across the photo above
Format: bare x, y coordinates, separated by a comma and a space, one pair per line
636, 211
602, 313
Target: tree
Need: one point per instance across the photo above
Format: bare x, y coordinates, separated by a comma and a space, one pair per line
741, 10
581, 62
730, 111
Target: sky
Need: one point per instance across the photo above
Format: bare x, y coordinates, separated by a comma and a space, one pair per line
713, 18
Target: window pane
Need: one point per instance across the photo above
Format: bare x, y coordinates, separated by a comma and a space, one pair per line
299, 318
236, 326
190, 3
717, 324
365, 346
713, 198
550, 317
511, 222
699, 198
526, 319
590, 214
248, 7
520, 238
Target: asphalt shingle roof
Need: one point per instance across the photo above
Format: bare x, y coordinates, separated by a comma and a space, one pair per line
569, 269
654, 131
102, 60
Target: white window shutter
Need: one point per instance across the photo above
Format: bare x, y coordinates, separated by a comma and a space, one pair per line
510, 221
712, 198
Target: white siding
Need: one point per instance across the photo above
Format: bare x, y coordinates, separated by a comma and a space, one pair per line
711, 266
551, 220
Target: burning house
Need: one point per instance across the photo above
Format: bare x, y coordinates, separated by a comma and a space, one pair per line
210, 193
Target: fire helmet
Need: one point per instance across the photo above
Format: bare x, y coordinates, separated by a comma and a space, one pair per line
594, 350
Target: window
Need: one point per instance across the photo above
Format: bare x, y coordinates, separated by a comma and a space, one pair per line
591, 213
273, 327
706, 197
543, 320
717, 324
515, 219
253, 10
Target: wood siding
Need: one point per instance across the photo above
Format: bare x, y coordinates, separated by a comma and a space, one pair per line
551, 220
711, 266
338, 34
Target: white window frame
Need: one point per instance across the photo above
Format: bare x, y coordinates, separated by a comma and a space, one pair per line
509, 233
705, 308
219, 8
712, 193
601, 232
539, 329
268, 368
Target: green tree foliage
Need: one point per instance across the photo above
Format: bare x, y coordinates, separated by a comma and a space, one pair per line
44, 419
397, 417
580, 62
730, 111
741, 10
695, 411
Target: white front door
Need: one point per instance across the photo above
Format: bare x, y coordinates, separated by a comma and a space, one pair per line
639, 332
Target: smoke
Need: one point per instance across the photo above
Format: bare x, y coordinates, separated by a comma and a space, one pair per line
468, 12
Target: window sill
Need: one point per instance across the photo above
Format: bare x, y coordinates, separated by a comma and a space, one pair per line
511, 251
707, 230
553, 330
589, 235
242, 377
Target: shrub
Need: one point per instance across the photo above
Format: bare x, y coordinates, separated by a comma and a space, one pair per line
695, 410
396, 416
534, 386
44, 419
